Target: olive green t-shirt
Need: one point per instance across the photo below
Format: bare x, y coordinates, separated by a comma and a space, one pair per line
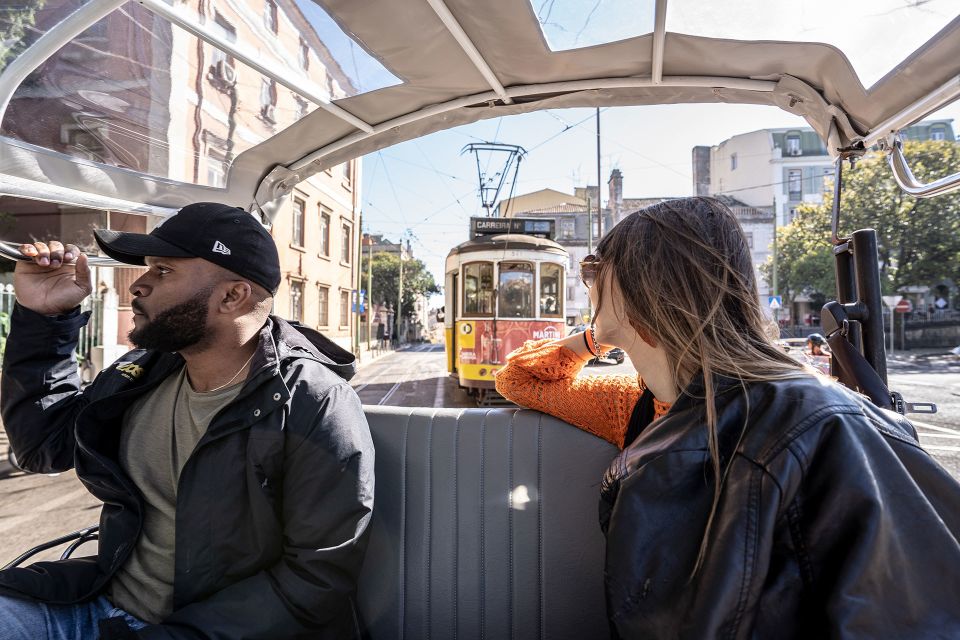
160, 431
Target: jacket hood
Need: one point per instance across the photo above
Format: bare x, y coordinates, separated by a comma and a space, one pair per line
292, 338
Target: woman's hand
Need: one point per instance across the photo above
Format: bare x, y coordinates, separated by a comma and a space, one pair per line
56, 280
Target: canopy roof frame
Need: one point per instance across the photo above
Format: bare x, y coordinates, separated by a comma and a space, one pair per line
466, 47
450, 22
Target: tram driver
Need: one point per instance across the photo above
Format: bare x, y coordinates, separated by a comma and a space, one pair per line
233, 459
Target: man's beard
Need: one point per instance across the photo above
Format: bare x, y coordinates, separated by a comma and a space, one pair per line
177, 328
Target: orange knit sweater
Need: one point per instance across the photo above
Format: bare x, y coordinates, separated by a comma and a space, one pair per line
542, 375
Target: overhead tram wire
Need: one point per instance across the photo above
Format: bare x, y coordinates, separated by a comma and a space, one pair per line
393, 189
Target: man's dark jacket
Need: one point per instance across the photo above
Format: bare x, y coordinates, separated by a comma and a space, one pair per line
832, 522
273, 506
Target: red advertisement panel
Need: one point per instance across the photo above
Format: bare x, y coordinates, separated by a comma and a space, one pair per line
478, 343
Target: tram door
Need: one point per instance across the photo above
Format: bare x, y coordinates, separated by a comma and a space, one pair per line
451, 310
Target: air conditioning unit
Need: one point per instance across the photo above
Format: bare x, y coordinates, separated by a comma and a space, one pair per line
226, 72
267, 112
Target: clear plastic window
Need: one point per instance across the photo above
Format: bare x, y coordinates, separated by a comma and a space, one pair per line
478, 289
551, 290
516, 290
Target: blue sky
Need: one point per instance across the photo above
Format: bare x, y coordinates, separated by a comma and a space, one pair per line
428, 187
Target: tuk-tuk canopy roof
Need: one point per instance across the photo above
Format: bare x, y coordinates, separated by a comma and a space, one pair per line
146, 106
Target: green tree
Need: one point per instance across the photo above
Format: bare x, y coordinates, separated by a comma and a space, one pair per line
918, 239
15, 21
386, 280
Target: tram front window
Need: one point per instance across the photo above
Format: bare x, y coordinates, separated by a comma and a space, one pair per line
516, 290
551, 303
478, 289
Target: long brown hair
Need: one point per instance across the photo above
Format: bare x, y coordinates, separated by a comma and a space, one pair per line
687, 278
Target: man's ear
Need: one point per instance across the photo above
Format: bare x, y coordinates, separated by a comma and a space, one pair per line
237, 294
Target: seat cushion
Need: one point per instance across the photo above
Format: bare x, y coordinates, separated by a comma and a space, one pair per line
484, 526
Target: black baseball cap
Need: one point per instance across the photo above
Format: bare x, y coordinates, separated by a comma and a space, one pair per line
221, 234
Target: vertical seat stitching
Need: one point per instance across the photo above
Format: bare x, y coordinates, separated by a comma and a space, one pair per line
510, 567
403, 526
456, 523
483, 526
540, 594
429, 507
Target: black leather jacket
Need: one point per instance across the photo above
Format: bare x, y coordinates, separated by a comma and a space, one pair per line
832, 522
273, 505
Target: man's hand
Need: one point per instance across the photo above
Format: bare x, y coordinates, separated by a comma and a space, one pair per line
55, 281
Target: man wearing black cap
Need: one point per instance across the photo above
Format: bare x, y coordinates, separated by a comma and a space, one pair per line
233, 459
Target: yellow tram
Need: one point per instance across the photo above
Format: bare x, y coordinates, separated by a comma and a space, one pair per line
501, 290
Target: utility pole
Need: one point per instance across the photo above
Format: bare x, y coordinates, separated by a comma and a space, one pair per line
369, 290
399, 313
359, 279
599, 178
774, 285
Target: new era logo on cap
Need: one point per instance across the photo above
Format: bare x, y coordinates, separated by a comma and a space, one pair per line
219, 247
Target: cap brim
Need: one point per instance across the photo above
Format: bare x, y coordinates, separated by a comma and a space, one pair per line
132, 248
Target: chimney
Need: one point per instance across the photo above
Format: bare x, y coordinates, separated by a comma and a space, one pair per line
615, 189
701, 171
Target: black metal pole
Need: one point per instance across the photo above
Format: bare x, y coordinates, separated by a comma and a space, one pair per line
868, 293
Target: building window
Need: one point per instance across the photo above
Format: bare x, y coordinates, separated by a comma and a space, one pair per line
270, 15
795, 184
344, 308
515, 293
568, 229
323, 303
733, 162
478, 289
268, 99
216, 169
330, 86
551, 300
302, 107
791, 214
221, 59
345, 244
749, 235
296, 300
793, 144
298, 208
304, 56
938, 133
348, 171
324, 232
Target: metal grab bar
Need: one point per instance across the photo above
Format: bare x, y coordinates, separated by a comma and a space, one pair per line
909, 184
77, 538
11, 251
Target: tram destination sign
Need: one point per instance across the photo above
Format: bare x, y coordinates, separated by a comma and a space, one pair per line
538, 227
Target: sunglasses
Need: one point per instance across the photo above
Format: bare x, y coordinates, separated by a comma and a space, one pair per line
589, 267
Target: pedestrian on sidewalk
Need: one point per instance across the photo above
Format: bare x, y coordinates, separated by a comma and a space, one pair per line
234, 461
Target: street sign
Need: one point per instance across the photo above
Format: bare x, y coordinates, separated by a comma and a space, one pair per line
775, 302
891, 301
904, 306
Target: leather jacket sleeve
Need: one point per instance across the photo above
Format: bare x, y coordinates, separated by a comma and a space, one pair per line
40, 390
327, 506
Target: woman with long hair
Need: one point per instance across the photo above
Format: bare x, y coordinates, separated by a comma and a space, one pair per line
753, 497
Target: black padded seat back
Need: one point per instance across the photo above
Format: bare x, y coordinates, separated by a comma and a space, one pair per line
484, 526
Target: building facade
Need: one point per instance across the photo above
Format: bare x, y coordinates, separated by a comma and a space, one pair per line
202, 111
765, 175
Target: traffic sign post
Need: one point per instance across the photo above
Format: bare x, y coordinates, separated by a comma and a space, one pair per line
775, 303
892, 302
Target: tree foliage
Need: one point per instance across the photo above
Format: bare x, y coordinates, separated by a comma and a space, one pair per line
386, 280
918, 239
